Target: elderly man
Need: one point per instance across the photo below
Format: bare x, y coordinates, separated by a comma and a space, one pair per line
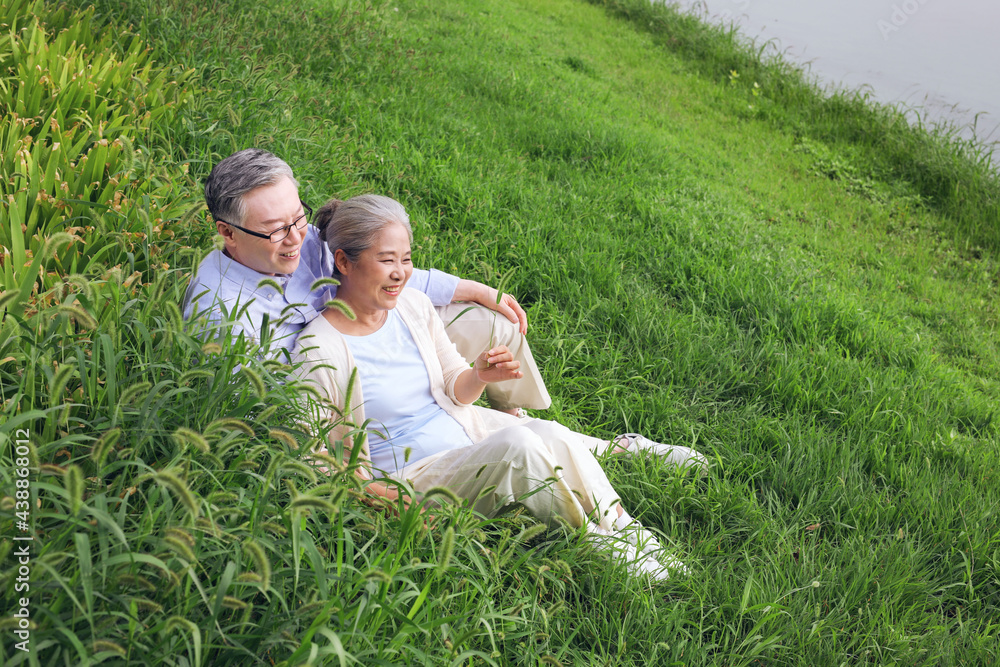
267, 279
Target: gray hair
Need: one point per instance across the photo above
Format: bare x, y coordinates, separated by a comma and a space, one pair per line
353, 225
237, 175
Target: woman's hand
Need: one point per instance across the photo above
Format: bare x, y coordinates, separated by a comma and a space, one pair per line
496, 365
386, 496
493, 365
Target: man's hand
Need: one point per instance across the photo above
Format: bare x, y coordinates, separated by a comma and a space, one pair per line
511, 309
506, 305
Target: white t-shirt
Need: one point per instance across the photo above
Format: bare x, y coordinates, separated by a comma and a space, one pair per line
398, 399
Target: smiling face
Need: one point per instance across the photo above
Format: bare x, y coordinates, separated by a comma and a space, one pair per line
374, 282
268, 208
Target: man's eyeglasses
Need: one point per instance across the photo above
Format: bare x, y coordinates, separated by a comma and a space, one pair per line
279, 235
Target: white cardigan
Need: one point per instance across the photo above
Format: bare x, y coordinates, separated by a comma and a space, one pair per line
329, 366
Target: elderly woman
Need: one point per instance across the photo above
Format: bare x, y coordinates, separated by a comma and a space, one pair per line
418, 392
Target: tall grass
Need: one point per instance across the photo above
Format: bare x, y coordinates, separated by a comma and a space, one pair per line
177, 522
78, 117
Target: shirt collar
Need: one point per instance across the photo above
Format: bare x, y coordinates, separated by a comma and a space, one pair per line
232, 271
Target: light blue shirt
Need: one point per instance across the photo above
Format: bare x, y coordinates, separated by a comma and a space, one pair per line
224, 290
398, 399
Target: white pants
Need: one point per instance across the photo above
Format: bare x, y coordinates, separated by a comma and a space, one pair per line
538, 464
471, 333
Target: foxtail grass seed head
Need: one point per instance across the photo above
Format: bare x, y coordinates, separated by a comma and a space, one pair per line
325, 459
176, 319
85, 285
185, 437
447, 550
322, 282
104, 445
486, 491
274, 528
276, 366
101, 645
146, 605
306, 503
181, 534
442, 491
64, 414
294, 466
135, 393
272, 283
255, 381
207, 349
337, 304
376, 574
221, 498
531, 532
82, 318
229, 424
267, 412
338, 496
73, 479
54, 243
231, 602
176, 485
58, 383
284, 437
206, 525
180, 547
260, 560
191, 213
182, 624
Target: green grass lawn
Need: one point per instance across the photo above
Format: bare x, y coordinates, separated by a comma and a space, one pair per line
797, 286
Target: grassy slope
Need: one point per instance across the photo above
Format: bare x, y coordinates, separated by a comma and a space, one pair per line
690, 275
833, 348
691, 271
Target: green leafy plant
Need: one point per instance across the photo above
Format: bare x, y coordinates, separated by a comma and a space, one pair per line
75, 109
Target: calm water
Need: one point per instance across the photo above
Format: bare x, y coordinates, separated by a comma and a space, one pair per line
938, 56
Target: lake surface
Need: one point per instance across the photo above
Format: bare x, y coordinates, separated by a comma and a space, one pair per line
936, 57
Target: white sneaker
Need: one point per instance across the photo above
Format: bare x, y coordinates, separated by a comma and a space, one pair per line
640, 538
637, 563
664, 566
646, 543
673, 454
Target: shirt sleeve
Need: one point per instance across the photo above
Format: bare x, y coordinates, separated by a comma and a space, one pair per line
211, 314
437, 285
206, 299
